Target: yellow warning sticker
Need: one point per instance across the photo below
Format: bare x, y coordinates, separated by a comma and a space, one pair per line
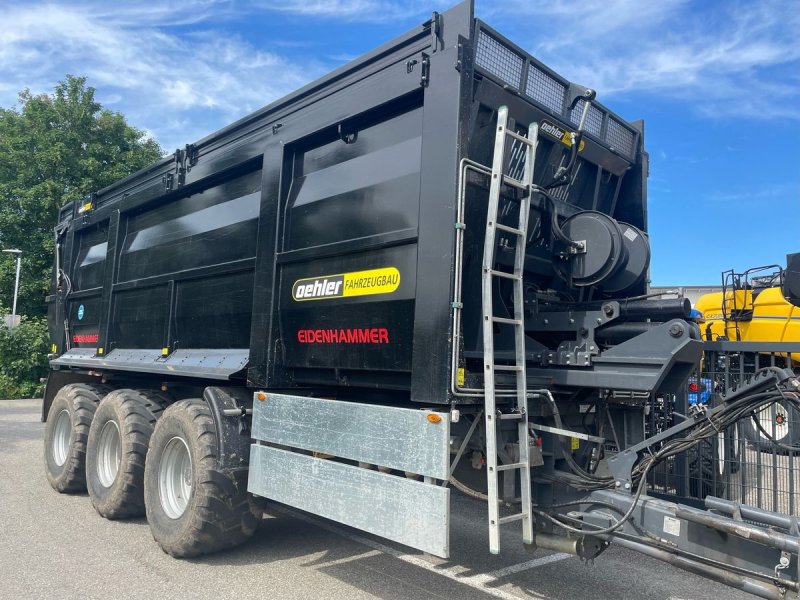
575, 443
343, 285
461, 377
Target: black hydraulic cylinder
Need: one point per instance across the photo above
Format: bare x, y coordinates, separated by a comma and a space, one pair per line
616, 333
656, 310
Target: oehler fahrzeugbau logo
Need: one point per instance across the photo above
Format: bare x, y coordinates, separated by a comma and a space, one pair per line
343, 285
562, 135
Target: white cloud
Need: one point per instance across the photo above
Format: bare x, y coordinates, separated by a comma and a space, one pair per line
175, 68
376, 11
150, 75
720, 59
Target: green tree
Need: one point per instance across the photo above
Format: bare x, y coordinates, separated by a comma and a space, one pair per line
23, 358
54, 149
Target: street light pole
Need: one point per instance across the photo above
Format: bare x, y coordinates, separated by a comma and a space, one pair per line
16, 284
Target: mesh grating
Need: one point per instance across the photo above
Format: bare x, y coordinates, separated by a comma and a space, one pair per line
619, 137
499, 60
545, 90
594, 120
740, 463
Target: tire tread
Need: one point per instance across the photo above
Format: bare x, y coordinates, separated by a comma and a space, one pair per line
222, 516
82, 400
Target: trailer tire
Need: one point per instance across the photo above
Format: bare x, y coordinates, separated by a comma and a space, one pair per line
706, 470
117, 448
733, 436
193, 507
67, 432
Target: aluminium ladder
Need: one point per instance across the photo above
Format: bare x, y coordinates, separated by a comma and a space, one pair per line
519, 410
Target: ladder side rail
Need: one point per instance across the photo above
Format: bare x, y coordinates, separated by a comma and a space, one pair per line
519, 315
488, 332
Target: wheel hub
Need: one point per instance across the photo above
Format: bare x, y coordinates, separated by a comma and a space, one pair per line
175, 478
775, 421
109, 452
62, 437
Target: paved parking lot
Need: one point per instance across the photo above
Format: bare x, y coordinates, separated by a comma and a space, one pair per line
56, 546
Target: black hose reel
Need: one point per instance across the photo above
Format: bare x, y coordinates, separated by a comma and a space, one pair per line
604, 252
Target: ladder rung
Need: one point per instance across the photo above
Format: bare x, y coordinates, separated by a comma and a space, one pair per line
507, 321
511, 466
513, 230
507, 368
511, 518
504, 274
516, 136
509, 416
516, 183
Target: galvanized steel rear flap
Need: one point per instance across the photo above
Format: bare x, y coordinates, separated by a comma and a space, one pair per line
308, 471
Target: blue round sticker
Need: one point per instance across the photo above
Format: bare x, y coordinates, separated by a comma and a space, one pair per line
80, 312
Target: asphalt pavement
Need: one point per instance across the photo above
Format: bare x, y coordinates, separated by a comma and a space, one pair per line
56, 546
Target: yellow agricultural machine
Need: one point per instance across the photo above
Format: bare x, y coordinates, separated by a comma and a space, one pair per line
762, 304
758, 305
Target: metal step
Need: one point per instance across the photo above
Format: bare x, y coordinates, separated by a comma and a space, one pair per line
507, 321
511, 466
512, 518
497, 273
508, 229
510, 416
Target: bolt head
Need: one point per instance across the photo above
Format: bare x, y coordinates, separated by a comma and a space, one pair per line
675, 330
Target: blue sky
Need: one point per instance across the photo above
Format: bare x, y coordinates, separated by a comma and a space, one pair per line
717, 83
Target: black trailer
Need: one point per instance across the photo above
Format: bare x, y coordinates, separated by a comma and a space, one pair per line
441, 246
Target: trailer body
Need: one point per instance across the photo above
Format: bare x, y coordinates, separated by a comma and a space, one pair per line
311, 244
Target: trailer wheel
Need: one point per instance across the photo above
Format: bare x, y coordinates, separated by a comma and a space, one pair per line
780, 421
706, 470
118, 440
66, 433
193, 507
734, 447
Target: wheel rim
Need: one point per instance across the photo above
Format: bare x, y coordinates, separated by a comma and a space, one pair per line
775, 421
175, 478
109, 452
62, 437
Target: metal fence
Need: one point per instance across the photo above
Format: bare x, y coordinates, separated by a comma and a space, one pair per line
742, 463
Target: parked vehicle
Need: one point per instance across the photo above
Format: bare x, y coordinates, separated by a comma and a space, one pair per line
438, 250
757, 306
